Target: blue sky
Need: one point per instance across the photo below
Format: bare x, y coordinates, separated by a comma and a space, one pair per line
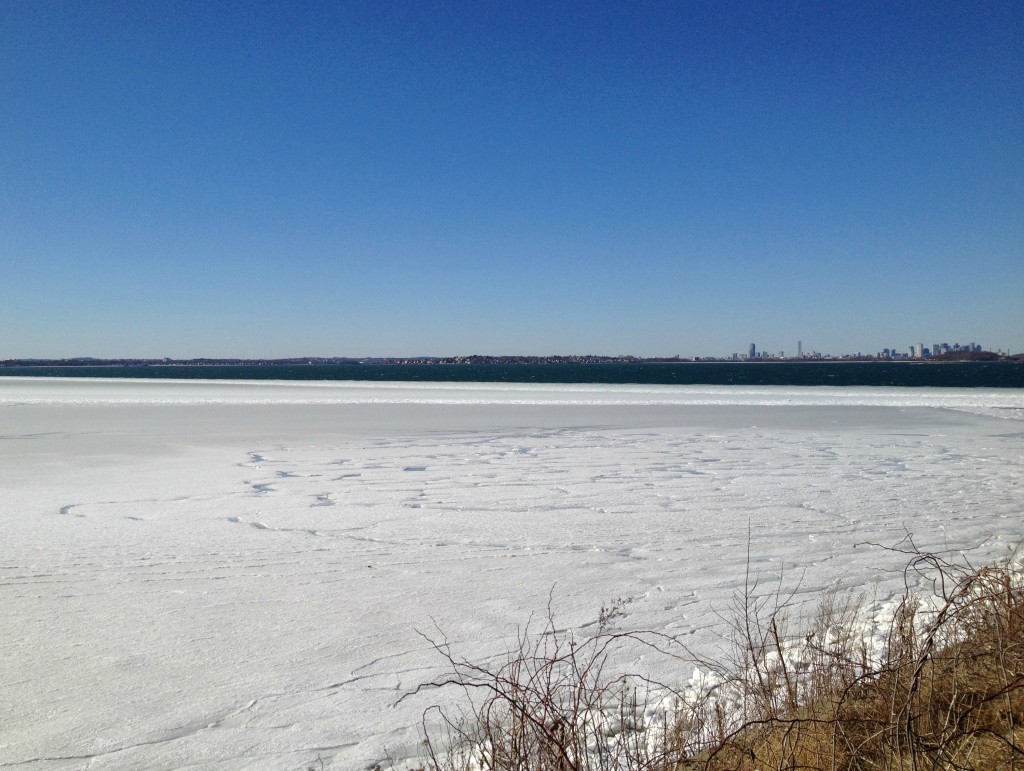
276, 179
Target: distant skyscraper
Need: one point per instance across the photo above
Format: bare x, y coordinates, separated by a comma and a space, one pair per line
753, 352
799, 349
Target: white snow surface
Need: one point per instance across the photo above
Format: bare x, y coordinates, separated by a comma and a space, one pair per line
231, 575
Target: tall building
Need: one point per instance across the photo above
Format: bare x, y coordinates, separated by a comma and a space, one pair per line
753, 352
799, 349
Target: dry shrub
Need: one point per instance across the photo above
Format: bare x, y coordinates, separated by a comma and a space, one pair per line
944, 690
550, 706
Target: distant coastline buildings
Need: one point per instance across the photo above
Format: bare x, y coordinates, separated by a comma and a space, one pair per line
919, 351
938, 352
915, 351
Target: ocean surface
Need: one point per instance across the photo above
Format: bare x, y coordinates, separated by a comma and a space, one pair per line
906, 374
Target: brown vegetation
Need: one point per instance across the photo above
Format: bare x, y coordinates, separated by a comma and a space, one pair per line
970, 356
944, 691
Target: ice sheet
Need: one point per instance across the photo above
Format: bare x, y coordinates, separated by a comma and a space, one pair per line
23, 390
231, 575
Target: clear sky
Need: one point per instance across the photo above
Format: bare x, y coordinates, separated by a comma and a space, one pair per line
275, 179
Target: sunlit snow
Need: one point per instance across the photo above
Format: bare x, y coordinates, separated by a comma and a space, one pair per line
232, 575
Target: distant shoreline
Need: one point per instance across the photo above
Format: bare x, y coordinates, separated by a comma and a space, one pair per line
476, 360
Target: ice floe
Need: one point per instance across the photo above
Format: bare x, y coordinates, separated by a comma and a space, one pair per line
231, 575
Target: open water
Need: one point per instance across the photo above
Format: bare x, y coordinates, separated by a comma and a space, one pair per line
909, 374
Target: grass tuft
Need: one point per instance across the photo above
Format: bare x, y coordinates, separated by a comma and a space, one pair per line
944, 689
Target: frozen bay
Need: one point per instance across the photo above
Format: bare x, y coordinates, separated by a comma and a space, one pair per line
230, 574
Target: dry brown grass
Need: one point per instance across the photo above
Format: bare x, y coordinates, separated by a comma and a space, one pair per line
946, 691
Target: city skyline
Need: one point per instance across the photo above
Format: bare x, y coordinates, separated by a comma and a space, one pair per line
915, 351
442, 178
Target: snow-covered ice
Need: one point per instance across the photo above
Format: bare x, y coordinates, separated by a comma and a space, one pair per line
231, 575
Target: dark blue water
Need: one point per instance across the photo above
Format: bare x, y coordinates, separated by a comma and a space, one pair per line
1001, 374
